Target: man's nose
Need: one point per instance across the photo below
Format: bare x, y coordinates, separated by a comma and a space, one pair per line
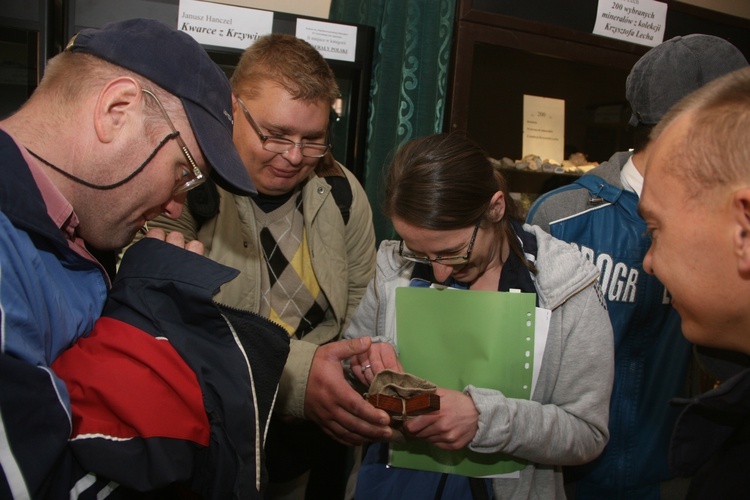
173, 207
294, 155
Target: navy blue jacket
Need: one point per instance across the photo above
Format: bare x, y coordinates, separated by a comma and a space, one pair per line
651, 355
49, 297
166, 391
711, 441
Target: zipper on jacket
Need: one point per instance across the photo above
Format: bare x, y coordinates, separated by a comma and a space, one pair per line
259, 443
245, 311
576, 292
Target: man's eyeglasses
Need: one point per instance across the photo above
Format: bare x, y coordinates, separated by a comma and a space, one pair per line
187, 178
281, 145
451, 260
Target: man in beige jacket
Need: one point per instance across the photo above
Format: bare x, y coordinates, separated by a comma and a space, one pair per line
302, 265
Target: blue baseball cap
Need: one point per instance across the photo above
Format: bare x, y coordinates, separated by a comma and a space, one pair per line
177, 63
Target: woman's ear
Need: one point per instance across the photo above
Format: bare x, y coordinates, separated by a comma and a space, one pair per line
742, 230
497, 206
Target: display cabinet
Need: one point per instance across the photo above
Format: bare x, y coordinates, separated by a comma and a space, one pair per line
505, 50
29, 33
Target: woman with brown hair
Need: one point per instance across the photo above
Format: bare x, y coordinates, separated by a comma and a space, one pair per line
459, 228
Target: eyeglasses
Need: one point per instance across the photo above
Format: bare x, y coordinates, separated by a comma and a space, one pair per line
452, 260
280, 145
187, 178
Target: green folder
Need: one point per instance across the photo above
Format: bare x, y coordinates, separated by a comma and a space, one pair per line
456, 338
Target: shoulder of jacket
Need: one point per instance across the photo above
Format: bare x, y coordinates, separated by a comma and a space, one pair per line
563, 269
335, 174
581, 194
389, 262
559, 203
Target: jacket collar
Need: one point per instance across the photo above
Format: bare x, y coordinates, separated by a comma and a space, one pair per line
20, 199
155, 260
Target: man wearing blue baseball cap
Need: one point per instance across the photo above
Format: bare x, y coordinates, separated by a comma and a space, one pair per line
125, 121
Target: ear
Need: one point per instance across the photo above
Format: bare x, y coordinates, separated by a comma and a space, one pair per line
497, 206
741, 229
119, 100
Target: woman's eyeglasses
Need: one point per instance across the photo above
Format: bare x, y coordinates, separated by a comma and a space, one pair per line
450, 260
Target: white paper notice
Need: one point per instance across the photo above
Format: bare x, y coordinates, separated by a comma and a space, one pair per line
223, 25
636, 21
333, 41
544, 127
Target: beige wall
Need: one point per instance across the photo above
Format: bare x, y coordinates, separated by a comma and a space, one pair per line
312, 8
320, 8
739, 8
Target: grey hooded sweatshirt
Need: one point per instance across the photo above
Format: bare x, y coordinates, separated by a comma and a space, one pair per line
565, 422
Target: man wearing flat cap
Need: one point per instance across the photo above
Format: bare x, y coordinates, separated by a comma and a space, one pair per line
125, 121
598, 214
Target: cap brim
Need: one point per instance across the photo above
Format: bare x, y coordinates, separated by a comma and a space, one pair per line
216, 143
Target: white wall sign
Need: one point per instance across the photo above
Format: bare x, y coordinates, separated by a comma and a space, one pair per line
636, 21
223, 25
544, 127
333, 41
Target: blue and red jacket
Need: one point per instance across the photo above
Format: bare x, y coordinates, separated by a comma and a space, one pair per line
170, 387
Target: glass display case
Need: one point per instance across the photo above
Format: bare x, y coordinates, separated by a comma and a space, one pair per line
27, 37
19, 71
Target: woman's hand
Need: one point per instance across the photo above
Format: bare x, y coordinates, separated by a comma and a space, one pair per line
381, 356
452, 427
